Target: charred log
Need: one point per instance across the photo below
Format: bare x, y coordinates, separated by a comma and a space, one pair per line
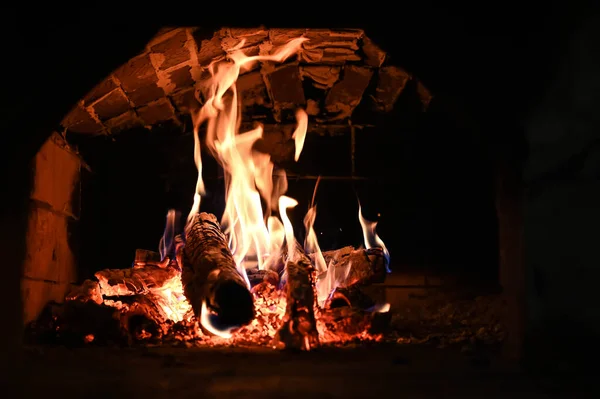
210, 274
144, 319
256, 276
353, 296
356, 266
299, 328
88, 291
134, 281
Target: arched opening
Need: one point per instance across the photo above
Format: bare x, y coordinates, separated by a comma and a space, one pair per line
376, 134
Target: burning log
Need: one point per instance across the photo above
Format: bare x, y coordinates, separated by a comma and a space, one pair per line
134, 281
210, 274
352, 296
299, 328
256, 276
88, 291
144, 318
356, 266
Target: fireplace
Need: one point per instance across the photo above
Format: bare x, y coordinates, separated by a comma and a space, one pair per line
372, 143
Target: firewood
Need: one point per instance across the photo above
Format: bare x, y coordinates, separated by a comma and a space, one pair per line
210, 274
144, 318
89, 290
134, 281
299, 328
256, 276
352, 296
366, 266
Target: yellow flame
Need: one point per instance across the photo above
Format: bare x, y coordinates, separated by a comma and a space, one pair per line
285, 203
206, 323
371, 239
311, 244
248, 173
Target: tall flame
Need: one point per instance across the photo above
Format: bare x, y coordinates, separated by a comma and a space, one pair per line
371, 239
253, 235
167, 241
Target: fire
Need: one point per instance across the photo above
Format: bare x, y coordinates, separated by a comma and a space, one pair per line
248, 174
371, 239
255, 222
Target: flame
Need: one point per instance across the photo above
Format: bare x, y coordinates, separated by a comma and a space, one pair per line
167, 242
328, 281
248, 173
205, 320
311, 244
285, 203
371, 239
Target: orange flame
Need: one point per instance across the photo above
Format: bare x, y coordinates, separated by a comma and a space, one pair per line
248, 174
371, 239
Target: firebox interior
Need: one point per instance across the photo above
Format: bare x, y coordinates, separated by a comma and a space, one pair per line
376, 138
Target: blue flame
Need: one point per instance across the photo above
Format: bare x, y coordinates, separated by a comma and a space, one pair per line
166, 247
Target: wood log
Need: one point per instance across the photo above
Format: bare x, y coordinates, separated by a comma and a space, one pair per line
134, 281
144, 318
352, 266
352, 296
210, 275
299, 328
89, 290
256, 276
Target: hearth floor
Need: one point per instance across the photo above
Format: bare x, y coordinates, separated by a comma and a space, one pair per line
410, 371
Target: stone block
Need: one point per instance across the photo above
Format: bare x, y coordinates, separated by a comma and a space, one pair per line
125, 121
137, 72
285, 87
56, 177
79, 120
374, 56
157, 111
181, 77
146, 94
391, 82
174, 50
100, 90
208, 49
112, 105
347, 93
37, 294
185, 100
49, 254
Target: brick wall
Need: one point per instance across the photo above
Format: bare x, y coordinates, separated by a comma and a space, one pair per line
50, 263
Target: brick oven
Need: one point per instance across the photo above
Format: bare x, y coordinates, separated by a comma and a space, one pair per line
377, 137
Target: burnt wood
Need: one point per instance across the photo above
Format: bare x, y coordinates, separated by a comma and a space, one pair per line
299, 327
134, 281
210, 274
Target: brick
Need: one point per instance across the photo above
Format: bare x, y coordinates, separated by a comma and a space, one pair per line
79, 120
112, 105
282, 36
286, 86
100, 90
278, 143
391, 82
185, 100
127, 120
253, 36
182, 77
49, 254
146, 94
208, 49
252, 89
374, 56
37, 294
174, 50
322, 76
158, 111
136, 73
347, 93
56, 176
